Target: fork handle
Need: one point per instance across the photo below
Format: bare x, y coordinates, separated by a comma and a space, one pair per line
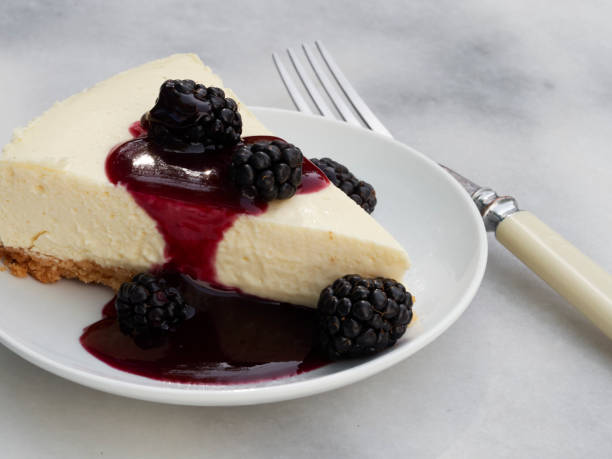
576, 277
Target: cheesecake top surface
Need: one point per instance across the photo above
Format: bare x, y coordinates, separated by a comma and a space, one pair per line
95, 120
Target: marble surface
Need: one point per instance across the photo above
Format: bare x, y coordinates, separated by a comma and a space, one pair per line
516, 95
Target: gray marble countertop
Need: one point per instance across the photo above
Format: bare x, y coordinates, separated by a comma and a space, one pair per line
516, 95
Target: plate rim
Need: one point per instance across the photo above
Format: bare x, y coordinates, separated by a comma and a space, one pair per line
178, 394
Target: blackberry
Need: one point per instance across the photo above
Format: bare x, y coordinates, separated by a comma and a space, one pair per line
268, 169
359, 191
192, 118
147, 309
358, 316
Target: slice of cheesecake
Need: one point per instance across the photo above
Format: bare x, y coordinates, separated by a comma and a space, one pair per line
60, 215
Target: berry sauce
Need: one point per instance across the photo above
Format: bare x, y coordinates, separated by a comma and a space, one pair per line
190, 197
232, 338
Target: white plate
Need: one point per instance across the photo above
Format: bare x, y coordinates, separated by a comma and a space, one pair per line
421, 205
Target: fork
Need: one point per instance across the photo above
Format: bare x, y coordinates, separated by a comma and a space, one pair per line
576, 277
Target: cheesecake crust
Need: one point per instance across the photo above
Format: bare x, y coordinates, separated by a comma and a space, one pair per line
46, 269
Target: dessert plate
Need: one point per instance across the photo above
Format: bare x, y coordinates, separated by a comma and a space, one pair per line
420, 204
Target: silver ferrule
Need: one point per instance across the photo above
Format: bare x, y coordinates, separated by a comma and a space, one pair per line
493, 208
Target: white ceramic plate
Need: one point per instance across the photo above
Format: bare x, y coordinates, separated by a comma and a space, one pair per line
421, 205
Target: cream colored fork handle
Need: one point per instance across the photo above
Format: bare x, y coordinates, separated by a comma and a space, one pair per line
581, 281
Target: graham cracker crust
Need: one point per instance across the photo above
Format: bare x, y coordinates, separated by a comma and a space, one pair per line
46, 269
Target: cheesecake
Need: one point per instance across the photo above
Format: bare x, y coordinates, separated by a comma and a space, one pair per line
62, 215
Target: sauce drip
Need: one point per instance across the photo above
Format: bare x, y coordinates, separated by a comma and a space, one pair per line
190, 197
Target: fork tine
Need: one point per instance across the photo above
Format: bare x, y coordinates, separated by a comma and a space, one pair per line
292, 89
358, 103
333, 94
314, 93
